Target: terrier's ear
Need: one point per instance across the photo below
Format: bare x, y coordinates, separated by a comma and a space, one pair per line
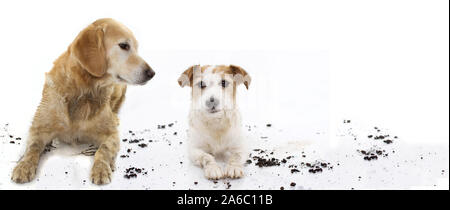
240, 75
187, 77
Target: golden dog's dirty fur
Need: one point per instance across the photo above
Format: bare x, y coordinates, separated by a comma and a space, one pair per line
81, 100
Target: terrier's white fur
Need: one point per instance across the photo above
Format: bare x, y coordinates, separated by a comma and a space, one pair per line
215, 121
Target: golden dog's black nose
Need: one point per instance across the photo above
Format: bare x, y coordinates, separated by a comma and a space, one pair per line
149, 71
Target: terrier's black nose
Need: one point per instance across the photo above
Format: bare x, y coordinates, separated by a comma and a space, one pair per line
212, 103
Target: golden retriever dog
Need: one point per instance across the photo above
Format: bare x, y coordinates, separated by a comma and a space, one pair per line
215, 128
82, 96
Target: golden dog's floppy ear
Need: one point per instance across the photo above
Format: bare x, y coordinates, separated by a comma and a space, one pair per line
90, 51
187, 77
240, 75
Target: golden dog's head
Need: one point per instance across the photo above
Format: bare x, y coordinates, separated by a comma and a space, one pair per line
106, 47
214, 87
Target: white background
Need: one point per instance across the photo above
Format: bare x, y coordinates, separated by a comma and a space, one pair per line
377, 62
388, 59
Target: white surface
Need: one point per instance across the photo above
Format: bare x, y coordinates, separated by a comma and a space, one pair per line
407, 166
313, 64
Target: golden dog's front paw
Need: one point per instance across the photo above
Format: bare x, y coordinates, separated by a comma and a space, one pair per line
213, 171
112, 165
234, 171
24, 172
101, 173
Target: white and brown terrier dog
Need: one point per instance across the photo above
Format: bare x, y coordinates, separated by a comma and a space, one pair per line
215, 120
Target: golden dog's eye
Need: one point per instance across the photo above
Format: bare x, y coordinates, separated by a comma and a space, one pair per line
224, 83
124, 46
201, 84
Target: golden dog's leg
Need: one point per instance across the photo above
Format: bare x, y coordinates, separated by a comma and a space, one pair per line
234, 168
210, 167
25, 170
104, 159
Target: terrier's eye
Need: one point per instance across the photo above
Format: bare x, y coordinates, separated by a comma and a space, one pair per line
124, 46
201, 84
224, 83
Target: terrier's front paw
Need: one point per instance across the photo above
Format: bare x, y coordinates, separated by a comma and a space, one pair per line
234, 171
101, 173
24, 172
213, 171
